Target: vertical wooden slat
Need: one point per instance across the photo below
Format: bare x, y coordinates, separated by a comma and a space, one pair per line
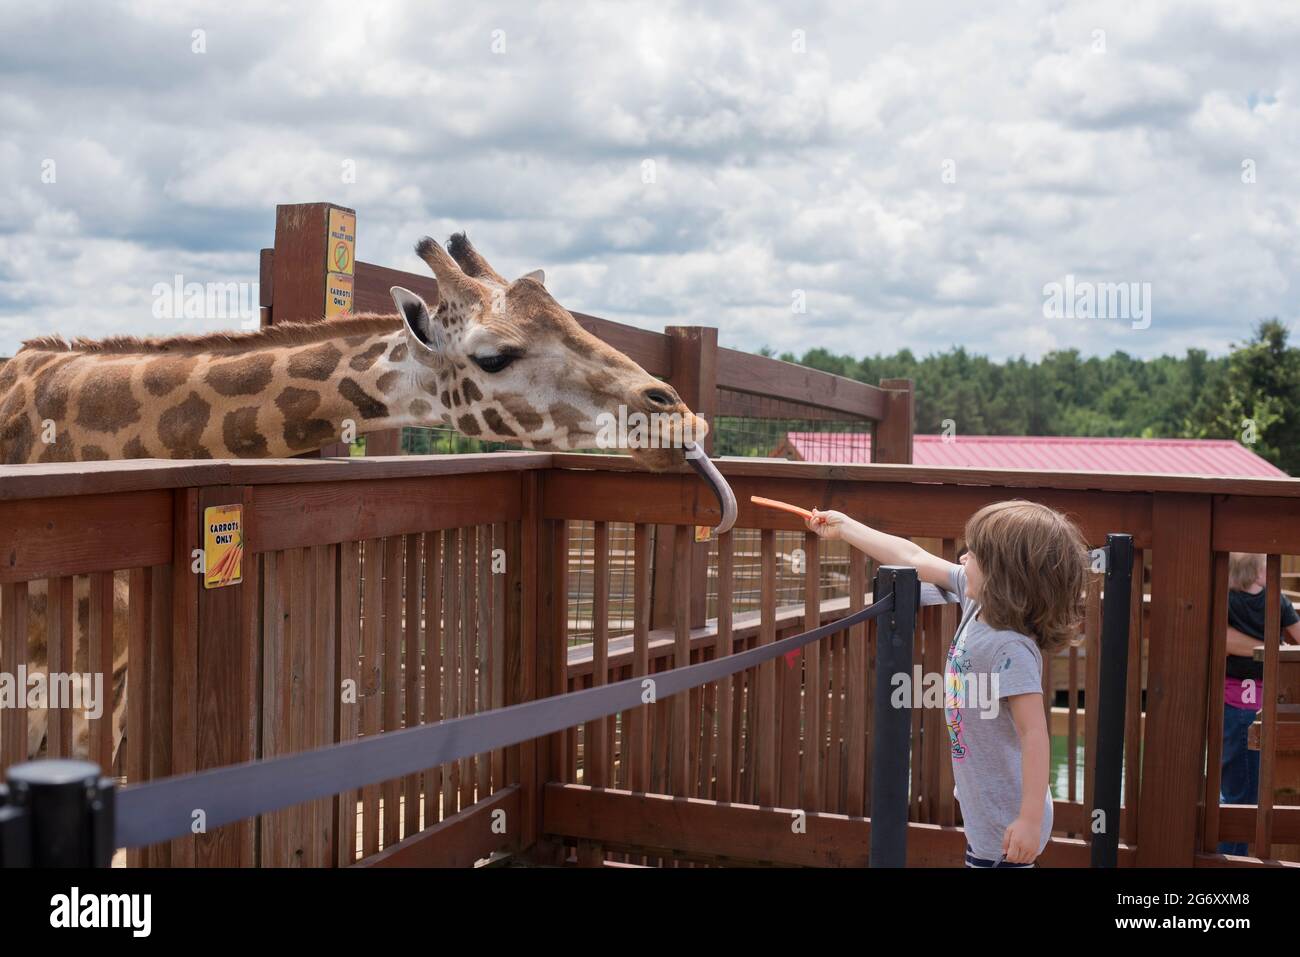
681, 725
856, 692
139, 620
1133, 711
186, 536
1072, 709
59, 638
451, 706
727, 717
100, 637
812, 731
371, 675
1178, 669
349, 700
639, 737
160, 691
434, 634
392, 681
483, 642
500, 551
1268, 718
411, 671
595, 771
834, 798
468, 652
321, 668
1091, 685
766, 715
13, 655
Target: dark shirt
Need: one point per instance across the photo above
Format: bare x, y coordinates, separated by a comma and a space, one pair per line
1246, 614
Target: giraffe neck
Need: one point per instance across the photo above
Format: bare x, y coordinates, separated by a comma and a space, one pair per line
269, 399
318, 394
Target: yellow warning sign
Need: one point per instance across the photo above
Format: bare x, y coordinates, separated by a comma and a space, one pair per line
338, 295
342, 241
223, 545
340, 262
703, 533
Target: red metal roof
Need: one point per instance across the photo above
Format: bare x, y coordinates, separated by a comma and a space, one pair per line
1217, 457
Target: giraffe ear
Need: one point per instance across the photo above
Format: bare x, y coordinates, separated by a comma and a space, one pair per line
536, 275
419, 323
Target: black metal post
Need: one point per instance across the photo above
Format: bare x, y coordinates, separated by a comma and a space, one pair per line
1110, 703
892, 749
58, 813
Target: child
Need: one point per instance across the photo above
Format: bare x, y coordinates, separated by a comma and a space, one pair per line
1243, 682
1021, 586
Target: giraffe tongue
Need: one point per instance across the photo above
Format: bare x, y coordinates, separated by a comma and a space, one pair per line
703, 465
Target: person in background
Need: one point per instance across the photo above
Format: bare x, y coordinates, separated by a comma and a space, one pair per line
1243, 682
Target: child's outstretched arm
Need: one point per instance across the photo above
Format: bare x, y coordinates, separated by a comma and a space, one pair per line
883, 548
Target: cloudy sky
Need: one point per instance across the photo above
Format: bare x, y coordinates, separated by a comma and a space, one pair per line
916, 173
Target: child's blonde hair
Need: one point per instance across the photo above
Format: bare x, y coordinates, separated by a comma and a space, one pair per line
1244, 569
1035, 564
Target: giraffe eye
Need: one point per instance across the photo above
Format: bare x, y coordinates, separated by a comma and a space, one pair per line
494, 363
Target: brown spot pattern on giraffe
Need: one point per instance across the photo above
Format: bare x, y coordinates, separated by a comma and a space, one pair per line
472, 394
398, 354
301, 430
106, 402
496, 425
246, 375
181, 427
163, 375
60, 450
367, 405
16, 438
420, 408
364, 360
316, 363
50, 394
468, 425
135, 449
388, 381
93, 453
239, 432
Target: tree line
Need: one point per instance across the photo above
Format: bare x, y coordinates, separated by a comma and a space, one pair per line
1251, 395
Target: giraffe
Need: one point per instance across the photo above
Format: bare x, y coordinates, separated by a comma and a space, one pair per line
493, 359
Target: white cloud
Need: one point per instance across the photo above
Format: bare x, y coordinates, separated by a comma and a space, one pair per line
774, 170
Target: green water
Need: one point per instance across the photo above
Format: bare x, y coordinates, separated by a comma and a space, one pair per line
1059, 772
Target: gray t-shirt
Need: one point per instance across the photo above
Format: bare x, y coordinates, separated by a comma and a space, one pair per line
984, 666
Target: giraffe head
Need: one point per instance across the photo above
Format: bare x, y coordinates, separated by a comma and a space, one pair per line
511, 364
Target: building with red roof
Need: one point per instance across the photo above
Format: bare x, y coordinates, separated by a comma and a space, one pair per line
1217, 457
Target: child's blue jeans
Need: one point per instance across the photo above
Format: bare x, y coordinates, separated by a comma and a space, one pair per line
1240, 777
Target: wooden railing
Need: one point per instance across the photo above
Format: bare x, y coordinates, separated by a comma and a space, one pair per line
383, 593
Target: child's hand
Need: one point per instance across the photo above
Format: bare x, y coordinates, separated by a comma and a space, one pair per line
1020, 842
829, 525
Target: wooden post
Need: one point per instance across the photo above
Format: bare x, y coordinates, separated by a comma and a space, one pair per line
312, 277
693, 353
1178, 664
893, 434
226, 709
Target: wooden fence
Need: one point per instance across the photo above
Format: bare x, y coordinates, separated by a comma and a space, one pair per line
380, 594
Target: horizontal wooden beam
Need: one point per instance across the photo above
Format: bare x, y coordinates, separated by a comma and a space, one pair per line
371, 285
460, 840
89, 478
762, 375
743, 833
321, 513
923, 510
47, 537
